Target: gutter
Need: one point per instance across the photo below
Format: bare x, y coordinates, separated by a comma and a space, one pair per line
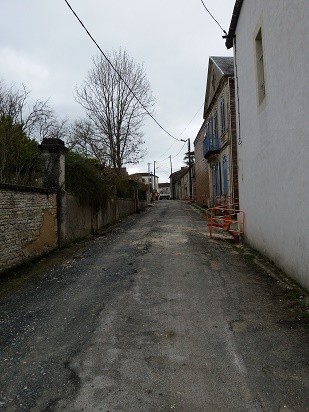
231, 34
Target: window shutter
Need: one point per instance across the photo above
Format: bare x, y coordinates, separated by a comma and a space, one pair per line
225, 176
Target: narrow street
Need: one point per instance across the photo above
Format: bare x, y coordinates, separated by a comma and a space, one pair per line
154, 316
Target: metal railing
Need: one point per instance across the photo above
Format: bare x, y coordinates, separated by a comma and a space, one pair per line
211, 145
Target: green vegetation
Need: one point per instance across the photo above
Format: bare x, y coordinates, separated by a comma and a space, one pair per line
94, 185
129, 189
20, 161
83, 180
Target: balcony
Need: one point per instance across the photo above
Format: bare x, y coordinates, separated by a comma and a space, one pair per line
211, 146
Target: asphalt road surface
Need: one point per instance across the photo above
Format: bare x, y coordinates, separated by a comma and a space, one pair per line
154, 316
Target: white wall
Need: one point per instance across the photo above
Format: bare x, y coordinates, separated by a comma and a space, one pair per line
274, 153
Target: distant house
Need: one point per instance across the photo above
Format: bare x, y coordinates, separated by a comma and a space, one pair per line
202, 190
270, 40
216, 142
181, 184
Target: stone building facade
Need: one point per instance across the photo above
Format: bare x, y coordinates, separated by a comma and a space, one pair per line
202, 191
181, 184
216, 141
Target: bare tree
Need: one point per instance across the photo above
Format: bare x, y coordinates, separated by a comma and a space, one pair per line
21, 123
50, 126
84, 139
36, 119
116, 107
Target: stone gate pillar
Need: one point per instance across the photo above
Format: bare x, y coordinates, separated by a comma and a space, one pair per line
53, 151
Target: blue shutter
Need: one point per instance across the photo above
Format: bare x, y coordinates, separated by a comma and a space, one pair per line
214, 183
211, 130
219, 189
216, 125
222, 115
225, 176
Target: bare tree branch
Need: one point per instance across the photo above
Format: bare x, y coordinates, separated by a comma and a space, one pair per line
21, 123
112, 109
36, 119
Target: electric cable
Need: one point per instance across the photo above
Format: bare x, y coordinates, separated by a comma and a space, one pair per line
167, 150
163, 160
191, 120
214, 18
181, 133
118, 73
173, 157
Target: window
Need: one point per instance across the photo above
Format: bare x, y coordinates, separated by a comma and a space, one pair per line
222, 115
216, 181
216, 134
207, 129
211, 126
219, 184
260, 66
210, 129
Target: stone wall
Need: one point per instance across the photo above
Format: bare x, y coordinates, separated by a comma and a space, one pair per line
28, 224
83, 220
29, 221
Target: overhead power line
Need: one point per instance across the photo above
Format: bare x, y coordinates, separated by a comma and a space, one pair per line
213, 18
163, 160
180, 134
191, 121
180, 150
119, 74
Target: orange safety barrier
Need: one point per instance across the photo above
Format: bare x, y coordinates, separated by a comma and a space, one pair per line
227, 218
226, 201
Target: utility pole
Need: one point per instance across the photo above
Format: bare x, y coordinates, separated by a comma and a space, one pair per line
171, 179
149, 181
190, 167
154, 176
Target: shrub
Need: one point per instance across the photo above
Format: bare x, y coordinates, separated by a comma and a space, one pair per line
84, 181
128, 189
20, 160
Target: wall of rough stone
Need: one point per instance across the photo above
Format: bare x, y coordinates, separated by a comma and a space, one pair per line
28, 224
28, 221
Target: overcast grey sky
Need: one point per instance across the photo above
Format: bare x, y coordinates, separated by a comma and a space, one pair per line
43, 46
